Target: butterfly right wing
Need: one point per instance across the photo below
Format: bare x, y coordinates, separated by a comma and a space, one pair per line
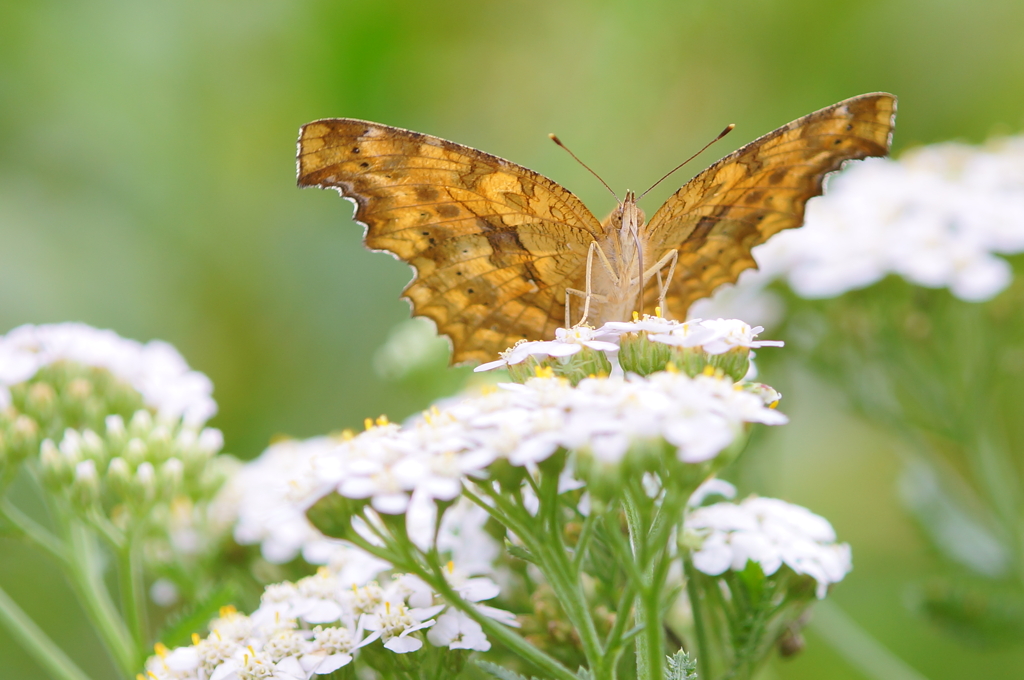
493, 244
715, 219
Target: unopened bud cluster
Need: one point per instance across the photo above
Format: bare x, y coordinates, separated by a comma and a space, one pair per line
60, 396
130, 466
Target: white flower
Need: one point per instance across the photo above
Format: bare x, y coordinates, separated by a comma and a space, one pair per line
394, 624
567, 342
156, 370
253, 665
332, 648
772, 533
456, 630
273, 492
715, 336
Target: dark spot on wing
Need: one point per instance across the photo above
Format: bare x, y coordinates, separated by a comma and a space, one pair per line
427, 193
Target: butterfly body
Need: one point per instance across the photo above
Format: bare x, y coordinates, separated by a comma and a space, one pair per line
615, 263
502, 253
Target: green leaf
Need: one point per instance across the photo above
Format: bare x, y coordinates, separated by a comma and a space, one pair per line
681, 667
332, 515
178, 631
519, 552
500, 672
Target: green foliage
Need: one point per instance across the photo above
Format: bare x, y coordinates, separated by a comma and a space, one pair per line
178, 630
681, 667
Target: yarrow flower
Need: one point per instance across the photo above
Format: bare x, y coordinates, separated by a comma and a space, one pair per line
938, 216
771, 533
270, 496
156, 370
316, 625
642, 346
525, 424
578, 352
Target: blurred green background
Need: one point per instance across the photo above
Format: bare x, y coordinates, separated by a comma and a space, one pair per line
147, 184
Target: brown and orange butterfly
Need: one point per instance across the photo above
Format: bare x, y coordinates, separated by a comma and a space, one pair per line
502, 253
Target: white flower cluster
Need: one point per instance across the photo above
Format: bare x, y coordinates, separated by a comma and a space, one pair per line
317, 624
770, 532
937, 217
270, 496
712, 336
524, 424
156, 370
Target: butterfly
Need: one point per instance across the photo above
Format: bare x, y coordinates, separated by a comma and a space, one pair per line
502, 253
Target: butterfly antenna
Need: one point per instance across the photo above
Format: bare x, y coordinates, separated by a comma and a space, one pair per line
723, 133
558, 141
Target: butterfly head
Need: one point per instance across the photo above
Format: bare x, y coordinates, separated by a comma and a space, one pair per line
627, 218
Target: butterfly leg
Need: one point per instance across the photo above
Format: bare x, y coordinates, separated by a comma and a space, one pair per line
669, 259
588, 294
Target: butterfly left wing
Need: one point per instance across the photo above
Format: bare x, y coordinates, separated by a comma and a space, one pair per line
494, 245
756, 192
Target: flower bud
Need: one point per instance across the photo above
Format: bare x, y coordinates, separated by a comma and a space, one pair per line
41, 401
141, 423
116, 434
639, 355
22, 439
211, 440
159, 441
85, 488
93, 447
136, 452
171, 475
71, 445
79, 389
119, 477
144, 485
586, 362
57, 469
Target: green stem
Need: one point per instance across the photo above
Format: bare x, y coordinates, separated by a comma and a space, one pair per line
33, 531
429, 568
622, 615
133, 596
562, 575
583, 542
650, 642
37, 643
86, 577
622, 550
703, 661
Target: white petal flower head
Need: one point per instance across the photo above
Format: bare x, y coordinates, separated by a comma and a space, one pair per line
332, 648
772, 533
456, 630
716, 336
156, 370
395, 624
274, 491
645, 324
567, 342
